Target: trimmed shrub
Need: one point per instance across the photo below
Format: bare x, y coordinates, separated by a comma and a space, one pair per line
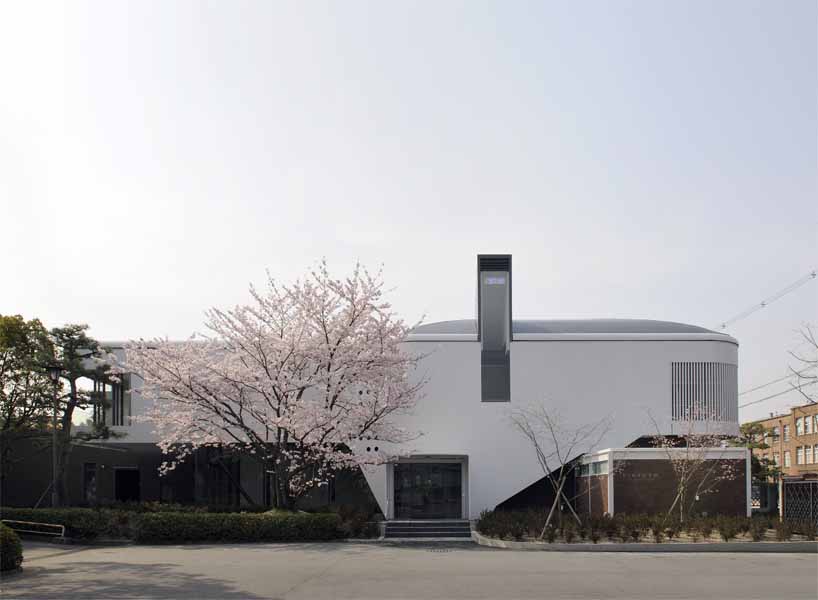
757, 530
807, 528
656, 530
516, 524
11, 550
84, 523
582, 532
706, 527
550, 534
727, 528
168, 528
783, 531
355, 522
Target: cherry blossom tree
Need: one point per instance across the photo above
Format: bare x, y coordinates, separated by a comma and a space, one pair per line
307, 377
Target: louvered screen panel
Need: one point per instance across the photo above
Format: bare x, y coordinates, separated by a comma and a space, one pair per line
704, 391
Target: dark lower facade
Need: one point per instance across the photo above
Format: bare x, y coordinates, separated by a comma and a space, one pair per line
632, 480
101, 474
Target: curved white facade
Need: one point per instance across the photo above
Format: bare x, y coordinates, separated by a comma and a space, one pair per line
640, 376
626, 378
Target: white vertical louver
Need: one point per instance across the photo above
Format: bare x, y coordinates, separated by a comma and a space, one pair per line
704, 391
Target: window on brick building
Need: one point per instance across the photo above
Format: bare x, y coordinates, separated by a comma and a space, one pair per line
807, 425
776, 458
808, 455
799, 426
786, 433
787, 459
799, 455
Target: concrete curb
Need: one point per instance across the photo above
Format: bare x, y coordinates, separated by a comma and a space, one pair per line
762, 547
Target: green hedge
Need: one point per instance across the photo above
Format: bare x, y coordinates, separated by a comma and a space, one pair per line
84, 523
11, 550
235, 527
179, 527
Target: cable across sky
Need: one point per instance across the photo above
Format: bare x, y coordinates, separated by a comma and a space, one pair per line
767, 301
776, 395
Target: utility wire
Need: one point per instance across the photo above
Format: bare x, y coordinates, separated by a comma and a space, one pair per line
763, 385
767, 301
778, 394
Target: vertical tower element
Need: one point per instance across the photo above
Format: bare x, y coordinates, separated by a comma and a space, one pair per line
494, 325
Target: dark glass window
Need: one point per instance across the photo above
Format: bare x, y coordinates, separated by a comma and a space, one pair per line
428, 490
89, 482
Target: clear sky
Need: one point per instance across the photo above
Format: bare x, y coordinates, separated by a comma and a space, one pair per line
639, 159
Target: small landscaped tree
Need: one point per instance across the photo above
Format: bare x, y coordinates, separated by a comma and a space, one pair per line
27, 394
751, 436
25, 389
697, 457
308, 378
81, 359
557, 446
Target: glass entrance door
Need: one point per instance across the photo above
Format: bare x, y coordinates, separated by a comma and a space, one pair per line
428, 490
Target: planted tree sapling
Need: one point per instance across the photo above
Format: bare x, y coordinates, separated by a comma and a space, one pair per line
557, 445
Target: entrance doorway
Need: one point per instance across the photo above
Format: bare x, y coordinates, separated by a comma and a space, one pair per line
126, 484
428, 490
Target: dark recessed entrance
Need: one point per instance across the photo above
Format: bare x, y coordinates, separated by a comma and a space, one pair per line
428, 490
126, 485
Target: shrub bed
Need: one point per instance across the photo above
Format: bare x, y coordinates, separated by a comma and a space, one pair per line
235, 527
11, 550
83, 523
185, 526
528, 525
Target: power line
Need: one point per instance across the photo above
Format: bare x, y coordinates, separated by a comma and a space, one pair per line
763, 385
767, 301
778, 394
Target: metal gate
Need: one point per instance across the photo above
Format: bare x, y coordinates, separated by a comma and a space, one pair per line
800, 499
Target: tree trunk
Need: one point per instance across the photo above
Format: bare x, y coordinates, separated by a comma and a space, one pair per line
283, 497
64, 446
63, 452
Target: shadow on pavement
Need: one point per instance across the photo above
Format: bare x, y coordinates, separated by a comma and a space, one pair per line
81, 580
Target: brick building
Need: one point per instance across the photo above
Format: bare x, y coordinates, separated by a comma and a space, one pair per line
642, 480
793, 441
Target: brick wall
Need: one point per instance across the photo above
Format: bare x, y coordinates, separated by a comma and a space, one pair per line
649, 486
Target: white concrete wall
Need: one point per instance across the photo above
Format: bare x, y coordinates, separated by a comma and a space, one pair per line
135, 432
585, 381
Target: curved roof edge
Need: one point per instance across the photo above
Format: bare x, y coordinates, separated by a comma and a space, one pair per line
573, 329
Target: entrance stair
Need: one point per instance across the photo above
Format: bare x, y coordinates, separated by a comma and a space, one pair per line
428, 529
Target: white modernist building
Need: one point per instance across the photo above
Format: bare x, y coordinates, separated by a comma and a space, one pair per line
640, 374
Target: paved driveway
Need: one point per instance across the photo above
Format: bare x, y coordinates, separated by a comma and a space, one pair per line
381, 571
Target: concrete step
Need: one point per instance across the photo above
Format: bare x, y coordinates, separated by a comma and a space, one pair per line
428, 529
428, 534
428, 522
409, 528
